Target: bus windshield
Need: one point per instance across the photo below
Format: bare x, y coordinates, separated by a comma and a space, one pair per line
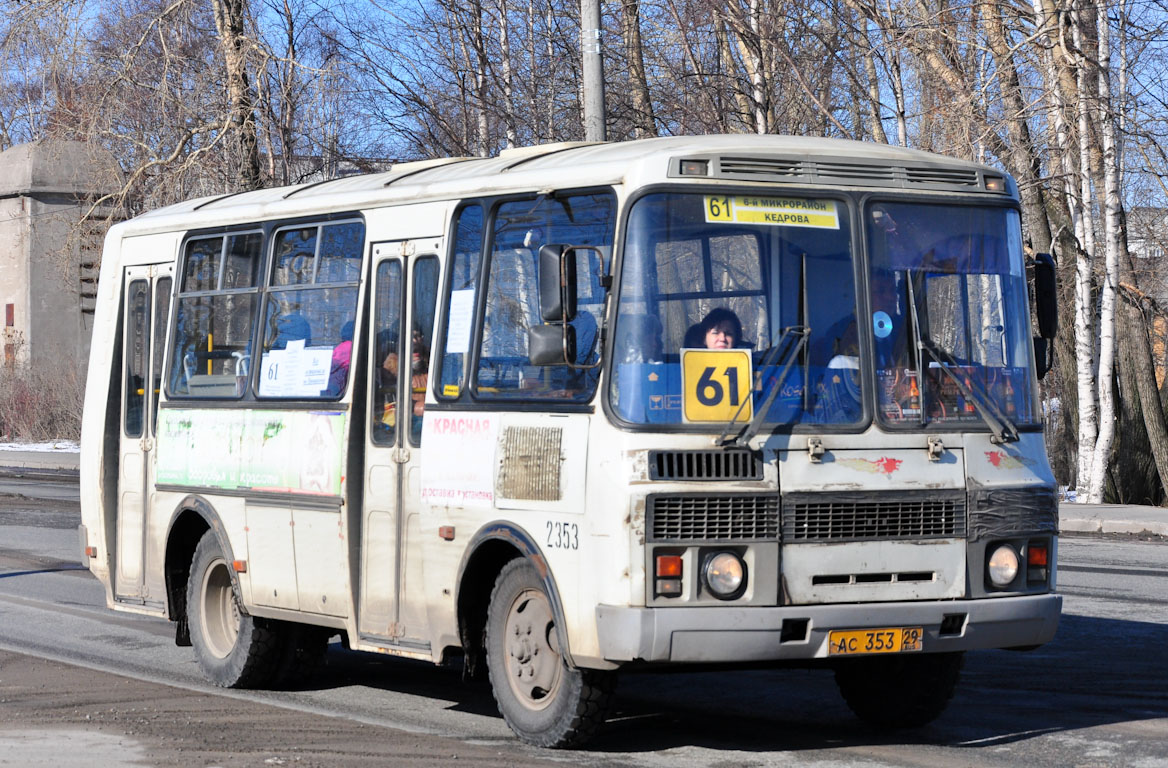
944, 324
725, 274
950, 322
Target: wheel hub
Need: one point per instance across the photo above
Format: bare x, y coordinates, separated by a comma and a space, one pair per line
534, 662
221, 617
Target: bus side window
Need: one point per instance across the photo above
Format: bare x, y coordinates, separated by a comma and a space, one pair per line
138, 334
386, 351
425, 291
310, 310
161, 312
211, 339
521, 228
461, 290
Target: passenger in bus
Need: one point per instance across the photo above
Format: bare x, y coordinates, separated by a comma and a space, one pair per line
720, 329
342, 355
387, 377
291, 327
419, 371
419, 366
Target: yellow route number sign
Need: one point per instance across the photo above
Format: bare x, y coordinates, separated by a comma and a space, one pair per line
772, 211
715, 383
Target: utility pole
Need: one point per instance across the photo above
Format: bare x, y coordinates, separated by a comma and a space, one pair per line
594, 117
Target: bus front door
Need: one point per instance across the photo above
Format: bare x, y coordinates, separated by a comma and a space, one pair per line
392, 597
147, 305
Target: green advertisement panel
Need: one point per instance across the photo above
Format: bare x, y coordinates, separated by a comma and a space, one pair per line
287, 451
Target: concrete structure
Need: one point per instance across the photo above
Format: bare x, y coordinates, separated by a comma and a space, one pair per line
48, 256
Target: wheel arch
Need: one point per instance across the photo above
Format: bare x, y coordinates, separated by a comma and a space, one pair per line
194, 516
492, 547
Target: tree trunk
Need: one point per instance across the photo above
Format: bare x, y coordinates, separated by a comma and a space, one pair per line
1025, 163
644, 124
1112, 234
730, 69
229, 23
1135, 351
510, 134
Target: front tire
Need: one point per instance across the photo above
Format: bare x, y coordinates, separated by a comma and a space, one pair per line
233, 650
906, 691
545, 702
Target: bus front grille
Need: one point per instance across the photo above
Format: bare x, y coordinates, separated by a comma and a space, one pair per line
718, 464
833, 517
712, 517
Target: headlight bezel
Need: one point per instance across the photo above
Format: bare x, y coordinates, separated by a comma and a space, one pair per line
1003, 561
735, 561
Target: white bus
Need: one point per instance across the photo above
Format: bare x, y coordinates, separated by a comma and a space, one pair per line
583, 407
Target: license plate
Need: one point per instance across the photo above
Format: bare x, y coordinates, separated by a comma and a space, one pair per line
885, 640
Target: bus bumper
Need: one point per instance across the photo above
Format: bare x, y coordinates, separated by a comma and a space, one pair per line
724, 634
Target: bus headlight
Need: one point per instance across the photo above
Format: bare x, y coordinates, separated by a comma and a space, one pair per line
725, 575
1003, 565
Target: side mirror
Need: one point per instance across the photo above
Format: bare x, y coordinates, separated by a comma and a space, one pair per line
551, 344
557, 284
1045, 295
1042, 356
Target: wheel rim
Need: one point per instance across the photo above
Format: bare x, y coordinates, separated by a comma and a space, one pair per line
534, 666
220, 613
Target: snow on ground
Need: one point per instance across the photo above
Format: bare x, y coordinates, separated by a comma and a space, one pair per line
55, 446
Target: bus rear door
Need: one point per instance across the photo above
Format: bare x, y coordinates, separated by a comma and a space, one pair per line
147, 306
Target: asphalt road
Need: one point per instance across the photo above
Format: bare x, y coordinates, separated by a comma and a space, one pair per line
75, 676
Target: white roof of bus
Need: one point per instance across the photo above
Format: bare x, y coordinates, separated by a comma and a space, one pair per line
568, 164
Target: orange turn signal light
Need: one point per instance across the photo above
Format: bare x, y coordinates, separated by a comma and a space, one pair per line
240, 566
668, 566
91, 551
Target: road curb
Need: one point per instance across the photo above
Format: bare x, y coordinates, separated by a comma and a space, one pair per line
1095, 525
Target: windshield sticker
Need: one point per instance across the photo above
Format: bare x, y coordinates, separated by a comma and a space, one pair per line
772, 211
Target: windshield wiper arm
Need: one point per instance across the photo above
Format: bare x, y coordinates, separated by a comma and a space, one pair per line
750, 430
1003, 429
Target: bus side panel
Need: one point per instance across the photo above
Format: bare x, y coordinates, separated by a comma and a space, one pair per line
478, 468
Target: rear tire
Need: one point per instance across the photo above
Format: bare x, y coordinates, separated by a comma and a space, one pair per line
233, 650
905, 691
545, 702
302, 653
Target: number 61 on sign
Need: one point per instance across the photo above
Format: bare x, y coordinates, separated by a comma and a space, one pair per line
716, 384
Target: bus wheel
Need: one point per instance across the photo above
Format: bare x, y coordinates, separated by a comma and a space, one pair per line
899, 691
302, 654
545, 702
234, 650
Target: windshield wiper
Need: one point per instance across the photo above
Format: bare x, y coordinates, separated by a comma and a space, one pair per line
1000, 424
777, 351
